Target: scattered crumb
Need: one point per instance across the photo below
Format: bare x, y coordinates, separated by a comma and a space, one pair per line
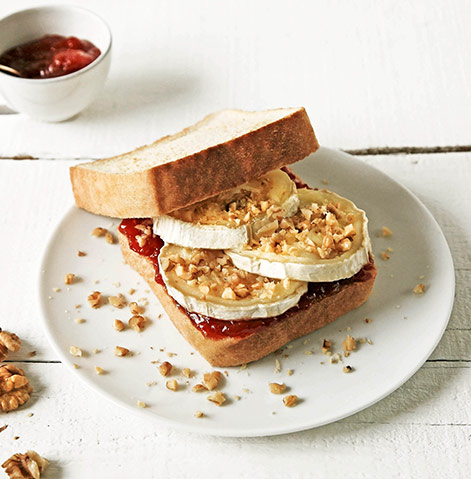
277, 366
172, 384
79, 320
243, 366
199, 414
367, 320
291, 400
237, 397
348, 328
81, 253
118, 325
56, 290
422, 276
217, 398
132, 291
121, 352
30, 414
186, 372
347, 369
138, 323
69, 278
31, 354
94, 299
117, 301
385, 231
349, 344
384, 255
308, 352
75, 351
197, 388
289, 372
324, 182
170, 355
135, 308
76, 366
245, 390
3, 427
16, 438
98, 232
96, 351
419, 289
277, 388
109, 238
141, 404
151, 383
326, 345
117, 284
99, 370
211, 380
165, 368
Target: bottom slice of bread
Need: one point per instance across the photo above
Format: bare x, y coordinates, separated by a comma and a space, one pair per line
272, 334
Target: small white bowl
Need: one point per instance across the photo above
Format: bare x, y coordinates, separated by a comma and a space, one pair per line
60, 98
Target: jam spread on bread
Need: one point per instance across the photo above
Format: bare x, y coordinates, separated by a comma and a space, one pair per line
50, 56
219, 329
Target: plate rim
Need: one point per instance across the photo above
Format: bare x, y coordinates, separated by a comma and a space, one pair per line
252, 432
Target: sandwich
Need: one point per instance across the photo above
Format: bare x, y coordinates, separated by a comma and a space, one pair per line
241, 253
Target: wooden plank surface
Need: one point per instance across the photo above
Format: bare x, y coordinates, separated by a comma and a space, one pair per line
371, 74
421, 430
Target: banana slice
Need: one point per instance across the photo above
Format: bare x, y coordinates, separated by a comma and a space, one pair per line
326, 240
207, 282
230, 219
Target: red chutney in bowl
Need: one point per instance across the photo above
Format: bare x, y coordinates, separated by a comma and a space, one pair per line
50, 56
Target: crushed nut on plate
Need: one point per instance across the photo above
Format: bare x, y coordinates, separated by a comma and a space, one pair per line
172, 384
199, 414
347, 369
138, 323
9, 342
186, 372
211, 380
291, 400
25, 466
15, 389
277, 388
385, 231
419, 289
197, 388
81, 253
120, 351
141, 404
99, 232
349, 344
135, 308
75, 351
69, 278
217, 398
99, 370
94, 299
326, 345
117, 301
109, 238
165, 368
118, 325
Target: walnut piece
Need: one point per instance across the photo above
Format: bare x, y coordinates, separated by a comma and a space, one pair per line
385, 231
99, 232
199, 414
75, 351
172, 384
165, 368
326, 345
120, 351
347, 369
291, 400
419, 289
69, 278
277, 388
25, 466
197, 388
14, 388
217, 398
138, 323
135, 308
94, 299
186, 372
117, 301
118, 325
349, 344
8, 342
211, 380
109, 238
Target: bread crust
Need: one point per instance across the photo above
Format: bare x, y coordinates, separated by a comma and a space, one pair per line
176, 184
263, 341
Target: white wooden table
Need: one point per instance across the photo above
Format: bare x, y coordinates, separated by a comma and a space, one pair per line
377, 78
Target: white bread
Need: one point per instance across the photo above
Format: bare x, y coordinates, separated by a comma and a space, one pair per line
233, 351
222, 151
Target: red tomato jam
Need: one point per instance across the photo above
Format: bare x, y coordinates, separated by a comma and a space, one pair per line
219, 329
50, 56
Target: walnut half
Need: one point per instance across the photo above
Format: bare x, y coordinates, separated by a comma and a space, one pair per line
14, 388
25, 466
8, 342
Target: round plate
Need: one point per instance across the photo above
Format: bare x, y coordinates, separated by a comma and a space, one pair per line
403, 331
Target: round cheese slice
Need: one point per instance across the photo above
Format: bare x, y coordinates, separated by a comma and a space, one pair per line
207, 282
229, 219
326, 240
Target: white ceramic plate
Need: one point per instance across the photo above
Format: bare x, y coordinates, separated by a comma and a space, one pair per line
404, 329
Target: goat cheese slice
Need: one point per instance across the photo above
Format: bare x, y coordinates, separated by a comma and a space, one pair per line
230, 219
207, 282
326, 240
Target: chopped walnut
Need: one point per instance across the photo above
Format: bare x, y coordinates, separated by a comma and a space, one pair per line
197, 388
172, 384
347, 369
291, 400
326, 345
211, 380
186, 372
69, 278
384, 255
25, 466
141, 404
199, 414
217, 398
120, 351
277, 388
419, 289
385, 231
94, 299
138, 323
109, 238
135, 308
81, 253
75, 351
349, 344
165, 368
99, 371
117, 301
99, 232
14, 388
8, 342
118, 325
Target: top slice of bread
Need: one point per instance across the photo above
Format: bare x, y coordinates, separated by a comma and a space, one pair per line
220, 152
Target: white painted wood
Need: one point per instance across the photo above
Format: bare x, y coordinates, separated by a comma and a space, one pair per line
369, 73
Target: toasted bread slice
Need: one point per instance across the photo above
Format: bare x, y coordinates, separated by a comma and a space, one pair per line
222, 151
266, 335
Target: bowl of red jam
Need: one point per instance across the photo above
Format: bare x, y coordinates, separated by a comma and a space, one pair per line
62, 55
